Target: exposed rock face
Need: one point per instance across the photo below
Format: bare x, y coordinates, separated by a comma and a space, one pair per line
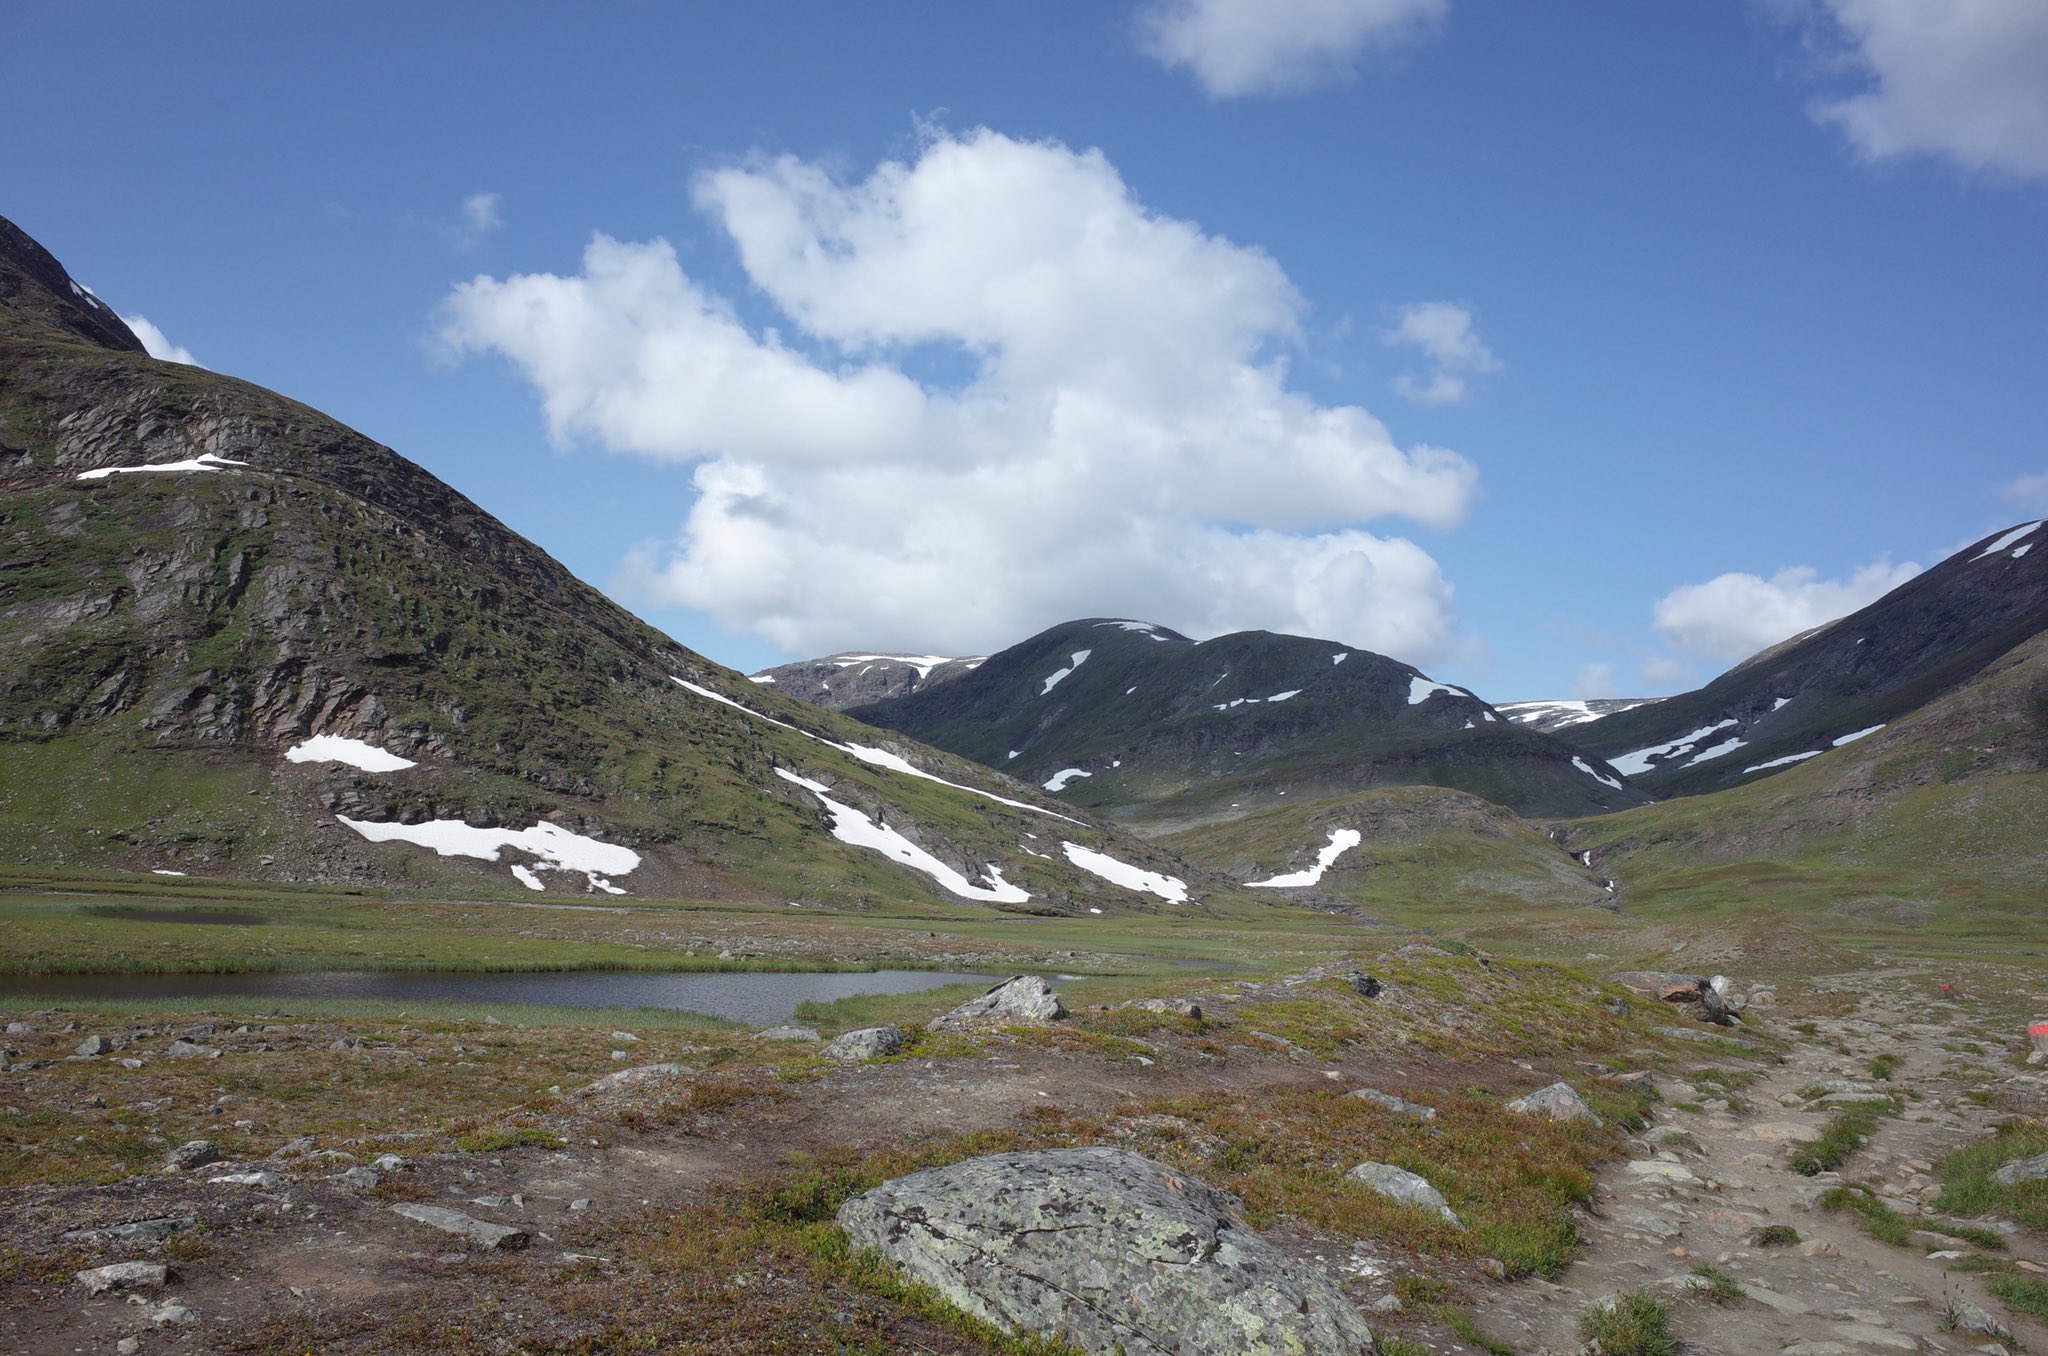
1399, 1184
2022, 1170
498, 1237
123, 1276
840, 681
1026, 1000
1106, 1250
1557, 1102
854, 1047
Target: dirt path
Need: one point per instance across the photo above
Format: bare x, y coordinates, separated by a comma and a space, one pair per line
1703, 1197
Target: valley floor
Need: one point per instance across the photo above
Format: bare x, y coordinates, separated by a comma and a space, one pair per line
689, 1213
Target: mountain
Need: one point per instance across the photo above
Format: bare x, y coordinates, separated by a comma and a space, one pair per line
238, 638
1840, 682
1552, 716
1149, 727
839, 682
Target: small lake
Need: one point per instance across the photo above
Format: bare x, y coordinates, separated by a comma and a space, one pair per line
757, 998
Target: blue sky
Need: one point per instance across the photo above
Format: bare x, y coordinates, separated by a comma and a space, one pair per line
1560, 349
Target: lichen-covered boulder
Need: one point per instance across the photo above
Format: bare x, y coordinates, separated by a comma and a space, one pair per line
1026, 1000
1399, 1184
1106, 1250
1557, 1102
871, 1042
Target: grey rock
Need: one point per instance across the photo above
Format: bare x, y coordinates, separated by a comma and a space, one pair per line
389, 1163
2022, 1170
1853, 1099
1106, 1250
1363, 984
295, 1148
625, 1036
1398, 1105
1557, 1102
123, 1276
1171, 1007
787, 1033
171, 1315
147, 1230
195, 1153
184, 1049
1638, 1080
502, 1237
20, 1029
264, 1181
868, 1043
1024, 1000
1693, 1033
360, 1178
626, 1079
95, 1045
1399, 1184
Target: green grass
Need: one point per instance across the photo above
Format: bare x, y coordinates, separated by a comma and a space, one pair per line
1461, 1322
2022, 1294
1775, 1236
1715, 1285
1882, 1067
1873, 1216
1633, 1323
1843, 1135
1967, 1188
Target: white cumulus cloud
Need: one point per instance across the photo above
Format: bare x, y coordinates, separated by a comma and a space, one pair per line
1444, 333
1732, 616
157, 344
1237, 47
1965, 79
1121, 438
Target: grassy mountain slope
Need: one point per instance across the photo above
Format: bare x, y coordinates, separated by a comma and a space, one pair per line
1919, 641
166, 636
1933, 830
1172, 733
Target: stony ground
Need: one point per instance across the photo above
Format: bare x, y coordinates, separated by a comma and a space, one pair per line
310, 1250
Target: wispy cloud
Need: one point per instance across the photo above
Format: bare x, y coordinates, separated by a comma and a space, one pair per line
1240, 47
477, 221
1444, 333
2028, 494
1123, 439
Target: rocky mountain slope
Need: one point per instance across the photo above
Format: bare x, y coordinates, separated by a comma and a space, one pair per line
238, 638
839, 682
1837, 684
1149, 727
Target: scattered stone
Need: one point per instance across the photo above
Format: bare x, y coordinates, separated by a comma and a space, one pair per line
1025, 1000
633, 1078
1637, 1080
123, 1276
1363, 984
1557, 1102
1970, 1318
1494, 1268
148, 1230
1398, 1105
2022, 1170
787, 1033
184, 1049
294, 1148
196, 1153
872, 1042
502, 1237
389, 1163
1104, 1249
127, 1346
580, 1203
20, 1029
1171, 1007
1399, 1184
266, 1181
171, 1314
1693, 1033
360, 1178
93, 1046
1852, 1099
198, 1032
1658, 1170
624, 1036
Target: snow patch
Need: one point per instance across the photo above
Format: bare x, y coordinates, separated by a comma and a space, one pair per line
1078, 658
1058, 781
1728, 746
1781, 703
852, 827
2009, 538
354, 752
1855, 735
527, 878
557, 848
1341, 842
165, 871
1562, 713
1630, 764
2019, 551
1283, 696
1598, 776
1337, 659
761, 678
1147, 627
1421, 689
923, 663
205, 461
1169, 888
1782, 762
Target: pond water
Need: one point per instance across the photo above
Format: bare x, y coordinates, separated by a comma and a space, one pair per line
757, 998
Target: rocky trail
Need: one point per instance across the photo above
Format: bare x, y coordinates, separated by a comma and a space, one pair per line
1713, 1171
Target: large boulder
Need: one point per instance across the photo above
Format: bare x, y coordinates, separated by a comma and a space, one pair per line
1399, 1184
1105, 1250
1025, 1000
1557, 1102
871, 1042
2022, 1170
